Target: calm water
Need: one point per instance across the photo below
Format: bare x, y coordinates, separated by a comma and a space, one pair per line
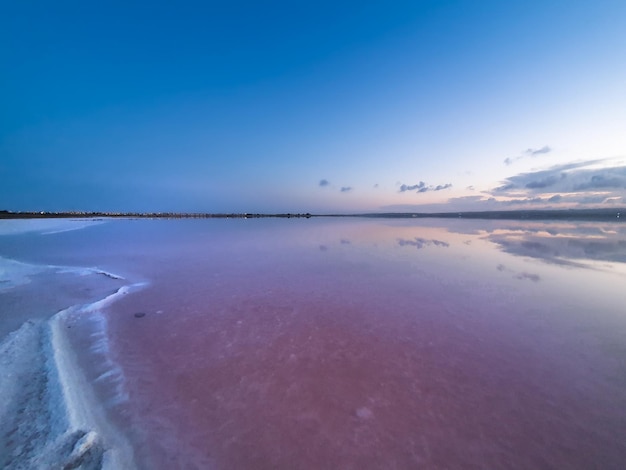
357, 343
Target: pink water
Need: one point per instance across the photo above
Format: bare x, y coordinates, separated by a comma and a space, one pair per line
357, 344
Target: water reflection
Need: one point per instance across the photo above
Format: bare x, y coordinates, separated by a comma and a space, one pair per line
577, 244
564, 244
351, 343
589, 245
519, 275
420, 243
379, 344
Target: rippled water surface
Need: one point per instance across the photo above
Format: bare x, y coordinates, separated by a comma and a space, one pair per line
359, 343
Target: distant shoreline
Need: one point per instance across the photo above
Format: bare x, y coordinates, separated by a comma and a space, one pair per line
618, 214
142, 215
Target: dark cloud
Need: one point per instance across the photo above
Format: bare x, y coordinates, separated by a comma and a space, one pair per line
546, 182
324, 183
528, 153
599, 199
606, 180
503, 188
528, 200
412, 187
533, 152
422, 187
346, 189
569, 178
471, 202
554, 201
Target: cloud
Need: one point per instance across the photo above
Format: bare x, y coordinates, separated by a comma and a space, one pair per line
422, 187
553, 201
593, 199
568, 178
344, 189
616, 179
412, 187
584, 184
528, 200
533, 152
530, 152
544, 183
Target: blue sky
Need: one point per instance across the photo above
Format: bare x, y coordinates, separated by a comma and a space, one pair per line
320, 107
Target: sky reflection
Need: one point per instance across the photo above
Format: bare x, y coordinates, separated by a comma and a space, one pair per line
569, 244
369, 343
362, 343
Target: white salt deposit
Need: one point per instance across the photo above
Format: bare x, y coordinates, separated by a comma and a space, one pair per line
83, 410
13, 273
50, 416
44, 226
80, 271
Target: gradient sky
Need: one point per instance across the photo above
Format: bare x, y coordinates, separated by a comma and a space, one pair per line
312, 106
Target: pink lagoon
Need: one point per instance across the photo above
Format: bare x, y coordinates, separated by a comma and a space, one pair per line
348, 343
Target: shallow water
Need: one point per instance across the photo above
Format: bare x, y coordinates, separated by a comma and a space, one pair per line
356, 343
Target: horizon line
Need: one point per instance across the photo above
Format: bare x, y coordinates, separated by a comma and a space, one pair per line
528, 214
